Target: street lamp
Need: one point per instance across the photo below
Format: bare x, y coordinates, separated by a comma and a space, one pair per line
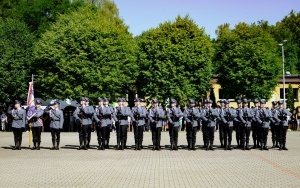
283, 73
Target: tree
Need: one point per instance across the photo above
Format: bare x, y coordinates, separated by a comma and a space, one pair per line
290, 98
175, 61
16, 45
39, 15
247, 60
86, 53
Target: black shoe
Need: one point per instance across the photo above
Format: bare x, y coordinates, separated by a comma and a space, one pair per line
80, 147
33, 148
14, 148
19, 148
171, 146
254, 147
284, 148
53, 148
154, 148
265, 148
211, 148
88, 146
175, 147
229, 148
57, 148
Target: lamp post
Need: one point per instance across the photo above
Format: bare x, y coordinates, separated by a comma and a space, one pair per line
283, 73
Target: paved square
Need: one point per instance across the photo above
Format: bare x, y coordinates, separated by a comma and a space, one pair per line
69, 167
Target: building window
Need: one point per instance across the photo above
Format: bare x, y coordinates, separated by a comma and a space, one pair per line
223, 95
295, 91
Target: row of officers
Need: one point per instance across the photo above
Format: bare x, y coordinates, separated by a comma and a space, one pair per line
259, 119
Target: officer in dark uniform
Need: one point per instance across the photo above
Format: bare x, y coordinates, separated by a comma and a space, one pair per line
221, 124
237, 125
173, 114
245, 116
83, 116
98, 119
107, 114
283, 126
56, 123
139, 113
156, 117
37, 126
274, 124
18, 123
227, 117
191, 116
263, 117
254, 124
209, 118
122, 112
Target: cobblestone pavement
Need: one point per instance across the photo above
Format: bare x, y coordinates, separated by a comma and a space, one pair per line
69, 167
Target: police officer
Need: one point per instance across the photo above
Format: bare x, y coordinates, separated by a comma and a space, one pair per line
173, 114
37, 126
191, 116
209, 118
227, 117
283, 126
221, 124
56, 123
107, 114
204, 125
238, 124
98, 119
274, 124
83, 116
122, 113
90, 128
18, 123
156, 117
254, 124
139, 113
245, 116
263, 117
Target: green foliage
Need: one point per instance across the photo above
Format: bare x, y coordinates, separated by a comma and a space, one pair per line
290, 98
175, 61
86, 53
38, 14
16, 43
247, 60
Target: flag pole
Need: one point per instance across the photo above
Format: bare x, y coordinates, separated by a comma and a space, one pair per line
30, 121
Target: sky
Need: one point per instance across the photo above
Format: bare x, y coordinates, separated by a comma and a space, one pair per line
141, 15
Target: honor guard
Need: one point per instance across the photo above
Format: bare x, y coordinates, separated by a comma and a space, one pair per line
275, 122
191, 116
263, 117
245, 116
37, 126
174, 114
156, 117
283, 126
221, 124
90, 128
56, 123
122, 113
106, 113
209, 118
254, 124
98, 119
83, 117
139, 113
228, 115
238, 124
18, 123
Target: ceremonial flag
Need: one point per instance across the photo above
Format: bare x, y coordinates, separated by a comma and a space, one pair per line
30, 102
